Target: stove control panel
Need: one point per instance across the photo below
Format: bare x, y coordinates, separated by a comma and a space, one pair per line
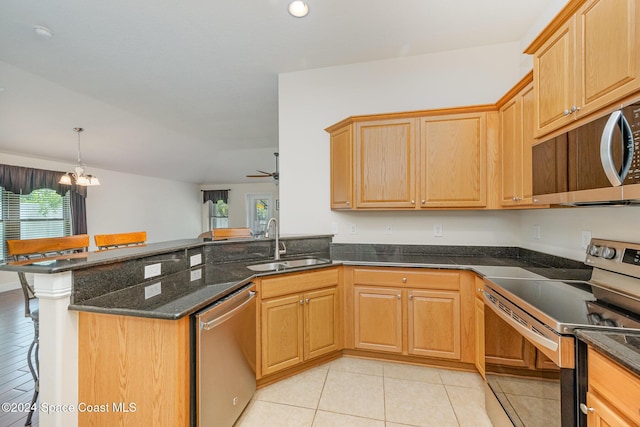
619, 257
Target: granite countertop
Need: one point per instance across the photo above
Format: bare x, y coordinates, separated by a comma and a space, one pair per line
622, 347
183, 295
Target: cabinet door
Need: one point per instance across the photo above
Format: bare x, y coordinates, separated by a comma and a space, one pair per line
555, 77
434, 323
479, 328
282, 329
320, 322
453, 152
504, 345
378, 319
608, 43
601, 414
342, 168
385, 171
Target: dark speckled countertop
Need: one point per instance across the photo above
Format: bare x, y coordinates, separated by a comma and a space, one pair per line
622, 347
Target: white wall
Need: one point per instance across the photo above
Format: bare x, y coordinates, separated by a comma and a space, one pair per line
166, 210
237, 201
312, 100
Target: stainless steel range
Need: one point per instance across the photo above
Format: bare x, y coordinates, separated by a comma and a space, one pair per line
533, 361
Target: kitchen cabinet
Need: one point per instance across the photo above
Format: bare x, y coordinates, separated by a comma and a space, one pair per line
300, 318
385, 152
516, 140
478, 317
585, 60
453, 154
124, 361
411, 312
414, 160
342, 168
606, 405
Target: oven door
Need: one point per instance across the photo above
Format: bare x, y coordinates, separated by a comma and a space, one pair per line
531, 380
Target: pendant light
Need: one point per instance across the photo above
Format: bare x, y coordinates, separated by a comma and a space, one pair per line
78, 175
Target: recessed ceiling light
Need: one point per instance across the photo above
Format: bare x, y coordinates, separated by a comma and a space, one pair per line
298, 9
43, 32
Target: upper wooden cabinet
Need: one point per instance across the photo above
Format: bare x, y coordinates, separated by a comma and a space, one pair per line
385, 152
342, 168
453, 154
417, 160
586, 59
516, 140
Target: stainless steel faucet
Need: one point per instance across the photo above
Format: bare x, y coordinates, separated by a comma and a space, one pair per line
277, 251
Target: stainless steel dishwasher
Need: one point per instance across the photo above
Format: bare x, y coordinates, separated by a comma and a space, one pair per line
225, 360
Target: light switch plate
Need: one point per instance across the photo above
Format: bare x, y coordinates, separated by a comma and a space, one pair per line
152, 290
152, 270
195, 260
437, 230
196, 274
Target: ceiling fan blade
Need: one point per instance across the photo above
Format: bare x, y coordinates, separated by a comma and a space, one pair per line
266, 173
258, 176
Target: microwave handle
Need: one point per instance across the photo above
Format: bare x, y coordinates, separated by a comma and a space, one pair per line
618, 120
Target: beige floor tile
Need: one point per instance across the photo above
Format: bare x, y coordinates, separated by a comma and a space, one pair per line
417, 403
412, 372
461, 378
468, 405
303, 389
536, 412
268, 414
388, 424
357, 366
353, 394
331, 419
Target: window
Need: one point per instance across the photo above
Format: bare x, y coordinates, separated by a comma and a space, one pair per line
259, 210
219, 214
42, 213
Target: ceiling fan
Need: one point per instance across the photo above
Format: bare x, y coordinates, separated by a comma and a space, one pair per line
263, 174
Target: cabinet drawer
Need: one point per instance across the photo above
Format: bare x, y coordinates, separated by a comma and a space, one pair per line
431, 279
615, 384
298, 282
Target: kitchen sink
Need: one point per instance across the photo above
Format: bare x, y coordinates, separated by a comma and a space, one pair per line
287, 264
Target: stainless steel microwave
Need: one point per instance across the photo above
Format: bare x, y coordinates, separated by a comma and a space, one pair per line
595, 164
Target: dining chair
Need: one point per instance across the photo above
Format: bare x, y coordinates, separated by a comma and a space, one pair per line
32, 250
120, 240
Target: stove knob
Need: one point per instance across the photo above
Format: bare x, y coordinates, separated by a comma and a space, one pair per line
593, 250
608, 253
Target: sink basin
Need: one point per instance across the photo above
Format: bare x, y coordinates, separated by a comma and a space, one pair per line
287, 264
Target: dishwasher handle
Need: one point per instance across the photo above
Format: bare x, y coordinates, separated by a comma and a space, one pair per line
207, 326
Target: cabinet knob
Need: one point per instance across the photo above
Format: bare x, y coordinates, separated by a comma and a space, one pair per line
399, 296
411, 297
301, 302
404, 280
585, 409
307, 300
574, 109
413, 202
423, 201
348, 202
566, 112
479, 290
516, 198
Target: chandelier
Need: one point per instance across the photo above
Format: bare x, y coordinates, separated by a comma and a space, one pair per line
78, 175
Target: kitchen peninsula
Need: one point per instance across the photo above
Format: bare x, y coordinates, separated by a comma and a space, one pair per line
194, 274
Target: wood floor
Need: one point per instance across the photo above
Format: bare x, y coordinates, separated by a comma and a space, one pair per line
16, 383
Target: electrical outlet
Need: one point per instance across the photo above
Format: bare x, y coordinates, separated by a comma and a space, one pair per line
437, 230
352, 229
152, 270
152, 290
537, 232
388, 229
586, 239
334, 228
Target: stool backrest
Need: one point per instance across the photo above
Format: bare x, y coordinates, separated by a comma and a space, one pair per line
221, 233
119, 240
49, 248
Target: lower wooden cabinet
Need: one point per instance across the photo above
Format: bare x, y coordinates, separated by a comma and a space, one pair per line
427, 313
613, 397
478, 318
300, 318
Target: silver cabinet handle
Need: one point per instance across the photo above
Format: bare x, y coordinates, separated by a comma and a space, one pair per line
616, 120
423, 201
399, 296
413, 202
574, 109
348, 202
307, 300
566, 112
585, 409
404, 280
301, 302
411, 297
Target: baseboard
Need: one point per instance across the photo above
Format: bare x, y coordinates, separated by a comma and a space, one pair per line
4, 287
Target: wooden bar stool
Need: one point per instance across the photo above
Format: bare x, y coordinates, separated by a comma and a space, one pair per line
33, 250
120, 240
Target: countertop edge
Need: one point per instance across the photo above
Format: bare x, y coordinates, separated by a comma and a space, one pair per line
602, 342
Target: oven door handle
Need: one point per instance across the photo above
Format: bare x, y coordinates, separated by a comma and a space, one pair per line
526, 332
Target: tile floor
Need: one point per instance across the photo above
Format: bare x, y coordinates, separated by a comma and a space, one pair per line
367, 393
